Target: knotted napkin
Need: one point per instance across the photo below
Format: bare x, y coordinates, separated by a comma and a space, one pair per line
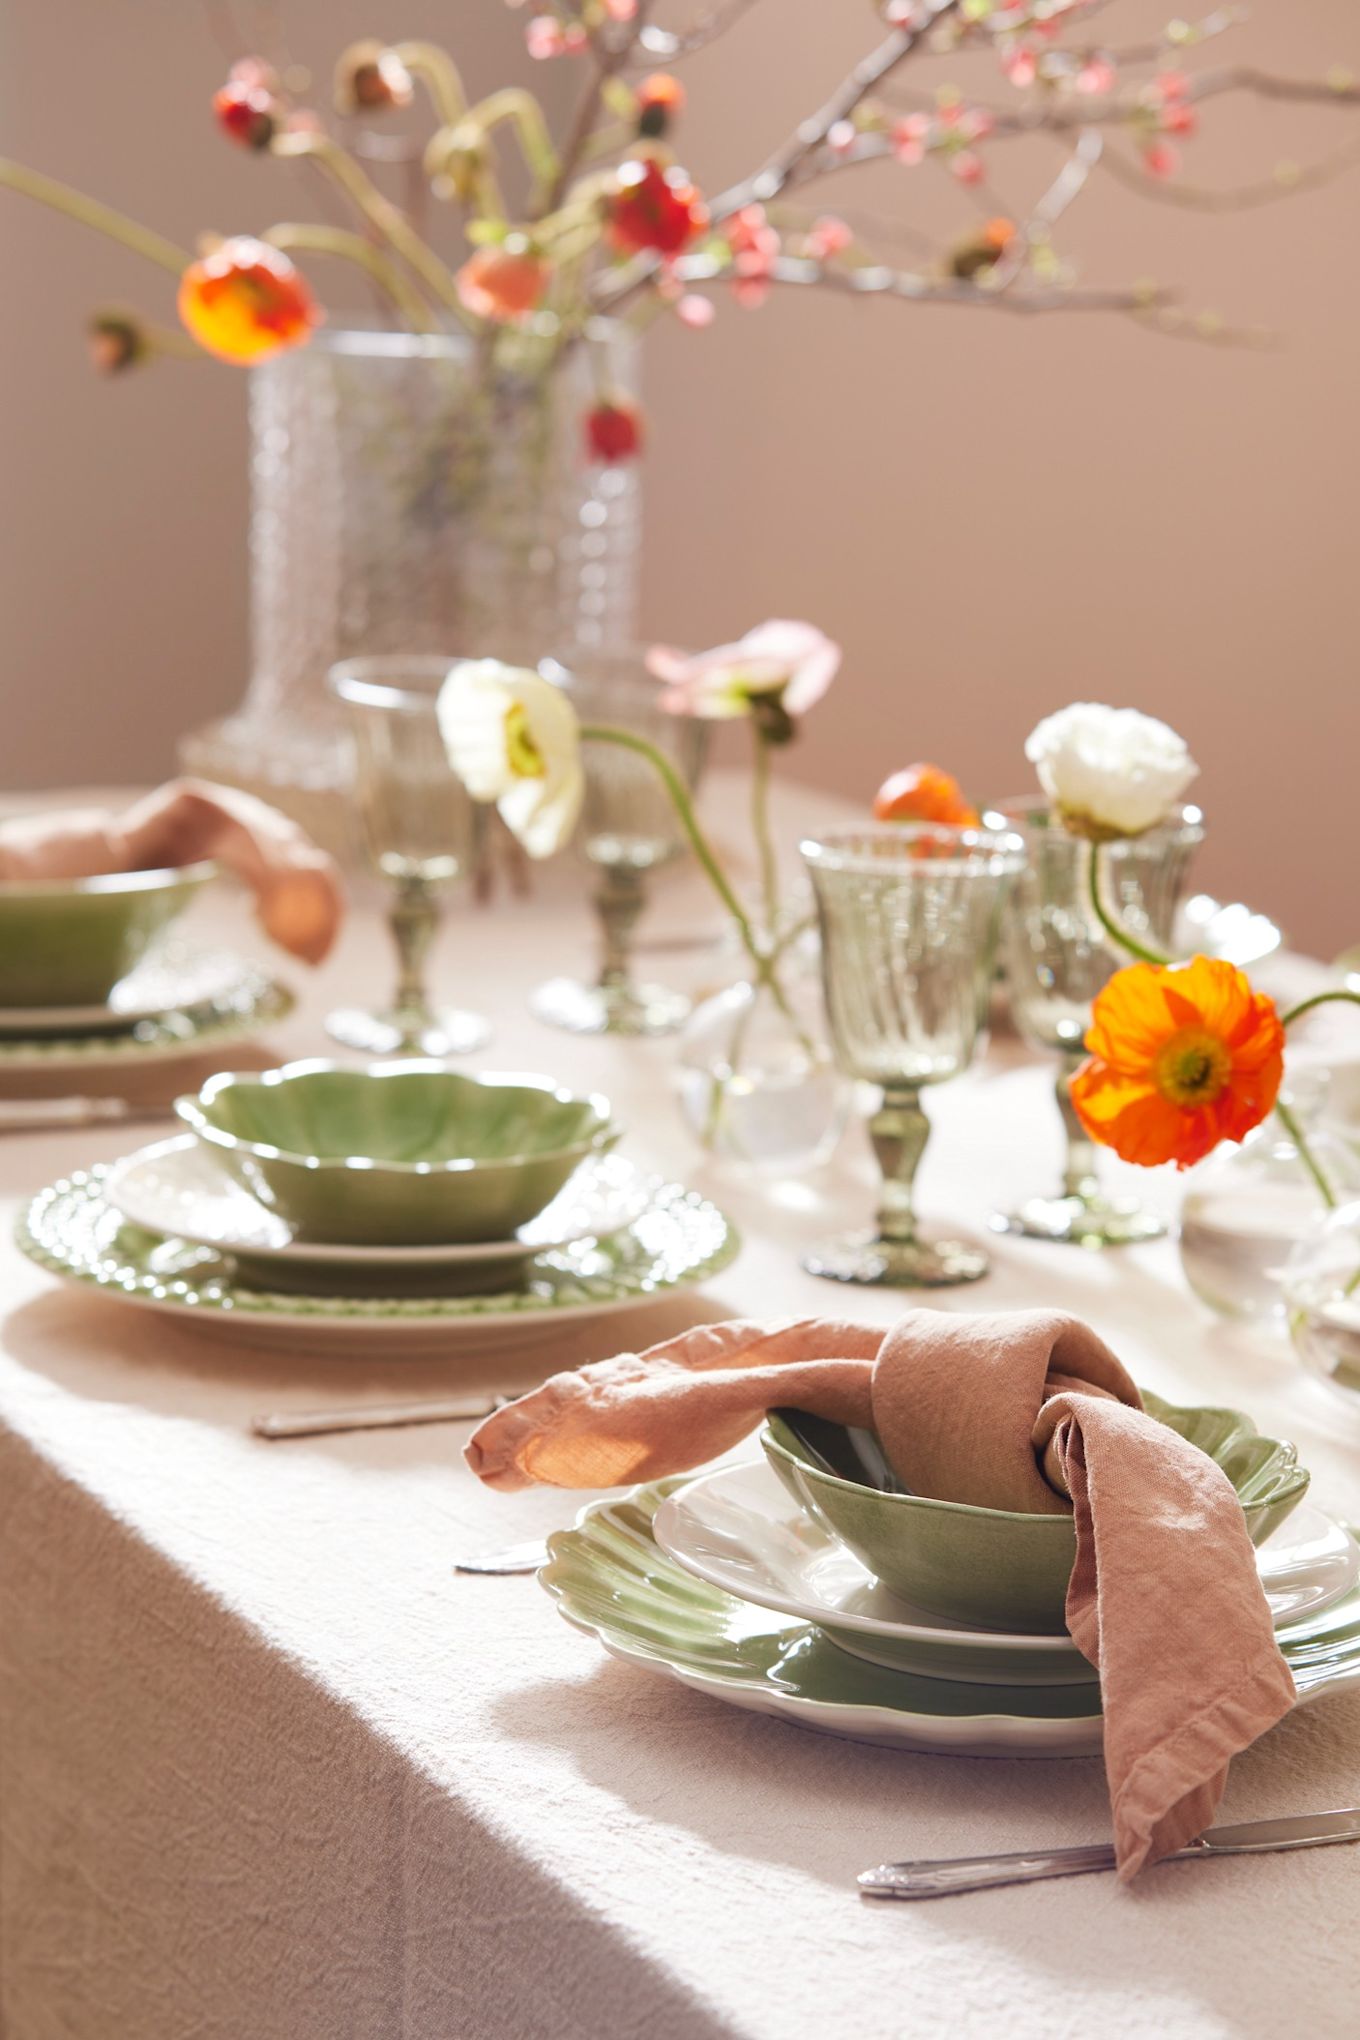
1026, 1410
297, 889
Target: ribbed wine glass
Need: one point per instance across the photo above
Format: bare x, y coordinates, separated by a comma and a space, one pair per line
628, 829
908, 923
418, 825
1057, 957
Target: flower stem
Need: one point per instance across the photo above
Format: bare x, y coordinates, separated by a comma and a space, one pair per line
1285, 1114
90, 213
1113, 928
760, 824
440, 76
354, 248
1317, 999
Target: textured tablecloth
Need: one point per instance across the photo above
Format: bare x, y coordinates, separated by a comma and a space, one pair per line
270, 1771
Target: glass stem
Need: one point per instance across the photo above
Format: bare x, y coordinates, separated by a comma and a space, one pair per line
413, 918
899, 1131
618, 902
1079, 1166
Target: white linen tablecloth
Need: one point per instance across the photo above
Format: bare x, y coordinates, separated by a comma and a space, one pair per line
269, 1770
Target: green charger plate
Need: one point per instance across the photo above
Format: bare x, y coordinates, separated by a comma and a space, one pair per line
72, 1230
611, 1579
245, 1007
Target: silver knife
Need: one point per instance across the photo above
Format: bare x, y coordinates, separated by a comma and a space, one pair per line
936, 1879
373, 1417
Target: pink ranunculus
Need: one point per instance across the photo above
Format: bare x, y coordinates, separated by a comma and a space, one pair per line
787, 663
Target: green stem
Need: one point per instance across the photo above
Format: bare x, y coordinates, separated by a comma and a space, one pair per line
350, 247
1317, 999
1285, 1114
90, 213
1113, 929
760, 824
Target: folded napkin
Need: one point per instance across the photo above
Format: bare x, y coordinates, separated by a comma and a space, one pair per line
297, 890
1025, 1410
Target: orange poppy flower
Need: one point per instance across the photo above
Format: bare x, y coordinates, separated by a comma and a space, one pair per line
1181, 1059
503, 282
246, 301
924, 793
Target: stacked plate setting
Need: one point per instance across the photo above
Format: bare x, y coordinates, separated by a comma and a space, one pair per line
327, 1204
730, 1583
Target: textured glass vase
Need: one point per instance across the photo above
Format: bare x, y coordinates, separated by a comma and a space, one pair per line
402, 503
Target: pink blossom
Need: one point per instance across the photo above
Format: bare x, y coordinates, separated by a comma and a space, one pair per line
976, 123
696, 311
828, 237
787, 663
620, 10
841, 138
1020, 67
968, 167
1172, 84
909, 138
543, 37
1179, 119
1161, 160
1097, 77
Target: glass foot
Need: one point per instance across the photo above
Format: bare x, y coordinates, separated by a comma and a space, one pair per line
923, 1263
1082, 1221
609, 1009
447, 1031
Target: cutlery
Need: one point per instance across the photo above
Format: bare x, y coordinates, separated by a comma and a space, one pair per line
937, 1878
43, 1115
372, 1417
515, 1558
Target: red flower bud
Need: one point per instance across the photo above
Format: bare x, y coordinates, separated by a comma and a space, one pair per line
653, 209
613, 431
116, 342
247, 113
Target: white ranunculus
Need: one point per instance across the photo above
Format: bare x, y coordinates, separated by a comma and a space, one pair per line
1109, 772
513, 738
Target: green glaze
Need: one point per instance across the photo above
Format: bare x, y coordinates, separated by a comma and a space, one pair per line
610, 1578
404, 1153
996, 1568
68, 942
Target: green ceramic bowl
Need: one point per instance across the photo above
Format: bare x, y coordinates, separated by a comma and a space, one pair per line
994, 1568
67, 942
401, 1153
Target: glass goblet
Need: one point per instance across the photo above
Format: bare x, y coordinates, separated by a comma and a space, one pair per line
419, 826
1057, 957
628, 829
908, 920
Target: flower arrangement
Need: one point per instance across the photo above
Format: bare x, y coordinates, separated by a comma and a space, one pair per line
610, 223
1182, 1055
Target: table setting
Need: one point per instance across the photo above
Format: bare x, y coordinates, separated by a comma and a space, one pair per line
634, 1393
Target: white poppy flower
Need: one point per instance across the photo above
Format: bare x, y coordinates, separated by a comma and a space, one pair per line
1110, 772
513, 738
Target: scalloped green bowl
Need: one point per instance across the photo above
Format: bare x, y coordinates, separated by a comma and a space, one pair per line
994, 1568
67, 942
400, 1154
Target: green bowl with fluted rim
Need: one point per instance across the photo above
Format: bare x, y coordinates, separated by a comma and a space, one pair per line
398, 1153
994, 1568
68, 941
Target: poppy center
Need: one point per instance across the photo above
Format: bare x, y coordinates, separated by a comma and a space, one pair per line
522, 754
1193, 1067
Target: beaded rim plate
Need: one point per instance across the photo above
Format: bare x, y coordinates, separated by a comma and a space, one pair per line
248, 1001
173, 977
72, 1230
610, 1578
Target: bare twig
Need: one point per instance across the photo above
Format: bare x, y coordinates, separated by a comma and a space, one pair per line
665, 45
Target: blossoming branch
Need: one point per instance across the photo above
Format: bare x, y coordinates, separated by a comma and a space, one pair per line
613, 223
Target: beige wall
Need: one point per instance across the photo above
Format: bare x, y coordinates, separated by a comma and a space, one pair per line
993, 516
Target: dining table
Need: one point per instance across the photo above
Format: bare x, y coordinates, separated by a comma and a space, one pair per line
271, 1769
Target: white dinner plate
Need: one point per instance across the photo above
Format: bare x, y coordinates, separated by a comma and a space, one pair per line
739, 1530
178, 1188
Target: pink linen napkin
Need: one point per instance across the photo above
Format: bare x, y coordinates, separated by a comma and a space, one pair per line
298, 896
1025, 1410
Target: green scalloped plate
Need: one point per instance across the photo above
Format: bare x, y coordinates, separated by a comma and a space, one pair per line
611, 1579
678, 1240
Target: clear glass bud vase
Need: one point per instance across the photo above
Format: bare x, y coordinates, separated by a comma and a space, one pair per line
405, 499
756, 1081
1247, 1207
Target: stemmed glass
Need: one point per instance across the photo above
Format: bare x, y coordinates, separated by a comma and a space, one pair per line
908, 922
419, 827
628, 828
1057, 957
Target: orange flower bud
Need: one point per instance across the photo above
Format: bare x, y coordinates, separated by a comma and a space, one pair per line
504, 281
245, 301
924, 793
